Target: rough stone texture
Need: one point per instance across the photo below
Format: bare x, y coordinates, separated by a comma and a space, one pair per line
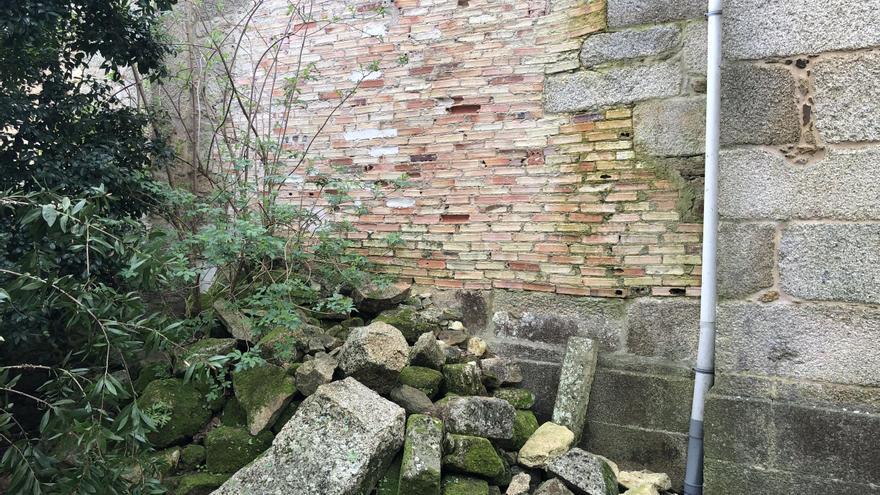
427, 352
464, 485
524, 426
411, 399
664, 328
629, 44
643, 490
807, 341
373, 299
199, 483
263, 392
499, 371
585, 472
543, 379
519, 485
831, 262
519, 398
759, 104
843, 113
575, 381
472, 455
420, 467
425, 379
481, 416
374, 355
389, 484
237, 324
755, 29
746, 254
548, 442
229, 449
758, 184
631, 12
463, 379
634, 479
671, 127
314, 373
199, 353
591, 89
411, 323
693, 51
183, 402
729, 478
553, 487
339, 443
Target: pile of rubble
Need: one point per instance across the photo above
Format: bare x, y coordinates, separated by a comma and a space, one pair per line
409, 404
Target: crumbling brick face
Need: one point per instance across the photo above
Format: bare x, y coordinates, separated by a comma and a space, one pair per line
501, 193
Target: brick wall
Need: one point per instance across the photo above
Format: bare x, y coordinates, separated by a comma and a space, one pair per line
502, 193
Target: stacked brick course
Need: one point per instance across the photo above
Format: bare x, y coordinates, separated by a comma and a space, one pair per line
501, 194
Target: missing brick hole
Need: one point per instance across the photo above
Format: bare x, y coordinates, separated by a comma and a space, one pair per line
677, 292
448, 218
367, 168
618, 292
462, 3
625, 135
605, 176
457, 109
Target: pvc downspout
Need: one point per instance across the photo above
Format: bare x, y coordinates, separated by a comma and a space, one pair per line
705, 369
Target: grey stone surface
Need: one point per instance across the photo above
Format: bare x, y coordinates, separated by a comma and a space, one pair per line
480, 416
542, 379
844, 111
373, 299
807, 341
427, 352
499, 371
671, 126
693, 51
314, 373
472, 455
755, 29
464, 379
666, 328
727, 478
339, 442
758, 184
590, 89
630, 12
374, 355
411, 399
629, 44
585, 472
553, 487
575, 381
759, 104
237, 324
422, 452
831, 262
745, 258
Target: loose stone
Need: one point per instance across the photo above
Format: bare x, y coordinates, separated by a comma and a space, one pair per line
481, 416
585, 472
420, 467
547, 443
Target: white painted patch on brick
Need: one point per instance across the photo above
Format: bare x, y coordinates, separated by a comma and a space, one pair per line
481, 19
375, 29
400, 202
358, 75
364, 134
384, 150
433, 34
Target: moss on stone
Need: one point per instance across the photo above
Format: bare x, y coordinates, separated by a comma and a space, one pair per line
233, 414
229, 449
183, 407
192, 456
463, 379
151, 372
424, 379
263, 392
389, 484
352, 322
164, 462
420, 470
199, 483
464, 485
408, 321
519, 398
199, 352
473, 455
524, 424
285, 415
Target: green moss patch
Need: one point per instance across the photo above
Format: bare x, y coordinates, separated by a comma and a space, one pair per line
524, 424
473, 455
178, 408
229, 449
464, 485
199, 483
263, 392
519, 398
406, 319
424, 379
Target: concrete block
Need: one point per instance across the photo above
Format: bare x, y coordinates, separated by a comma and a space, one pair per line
693, 51
542, 379
631, 12
591, 89
758, 184
831, 262
805, 341
575, 381
759, 105
755, 29
843, 112
745, 258
663, 328
727, 478
629, 44
671, 127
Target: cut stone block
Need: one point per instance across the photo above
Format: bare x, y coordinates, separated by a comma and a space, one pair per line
420, 467
553, 487
671, 127
843, 113
373, 299
746, 258
480, 416
575, 381
339, 442
237, 324
499, 371
426, 352
590, 89
693, 51
759, 104
314, 373
263, 392
472, 455
586, 473
464, 485
547, 443
425, 379
632, 12
464, 379
374, 355
519, 398
411, 399
628, 44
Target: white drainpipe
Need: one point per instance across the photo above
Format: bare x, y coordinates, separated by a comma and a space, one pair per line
705, 369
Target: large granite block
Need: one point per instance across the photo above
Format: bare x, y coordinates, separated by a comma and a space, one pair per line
843, 112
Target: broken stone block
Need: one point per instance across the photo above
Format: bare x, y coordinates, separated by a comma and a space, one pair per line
408, 320
199, 353
553, 487
339, 442
584, 472
499, 371
524, 426
519, 398
315, 373
374, 355
476, 346
628, 44
237, 324
183, 402
453, 354
422, 452
426, 352
575, 381
463, 379
372, 299
412, 400
263, 392
481, 416
635, 479
547, 443
520, 484
472, 455
425, 379
452, 337
464, 485
642, 490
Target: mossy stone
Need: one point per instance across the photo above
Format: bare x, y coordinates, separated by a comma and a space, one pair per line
186, 407
151, 372
422, 449
285, 415
192, 456
463, 379
164, 462
228, 449
282, 346
389, 483
519, 398
233, 414
524, 424
352, 322
263, 393
199, 483
473, 455
424, 379
464, 485
199, 352
408, 321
